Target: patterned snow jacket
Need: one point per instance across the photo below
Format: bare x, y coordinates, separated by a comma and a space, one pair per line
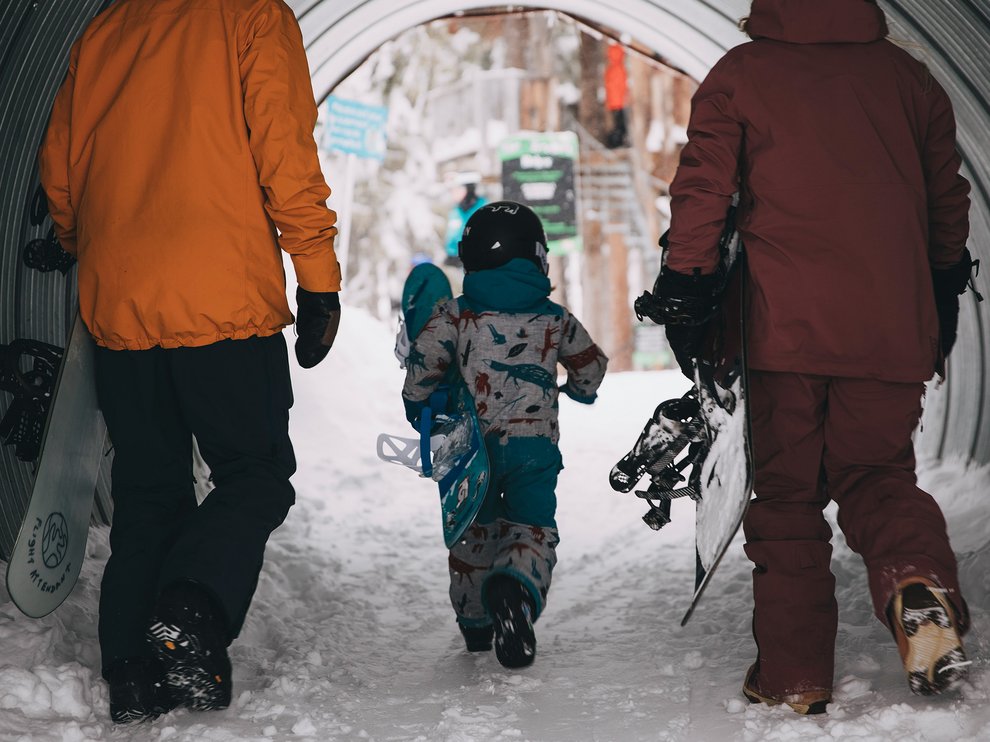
506, 338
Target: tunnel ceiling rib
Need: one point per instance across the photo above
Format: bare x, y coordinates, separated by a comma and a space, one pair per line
691, 35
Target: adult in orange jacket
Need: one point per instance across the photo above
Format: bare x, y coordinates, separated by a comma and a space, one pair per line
616, 93
854, 218
179, 159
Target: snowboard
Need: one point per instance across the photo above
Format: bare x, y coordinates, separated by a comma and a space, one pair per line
425, 287
699, 445
450, 448
51, 544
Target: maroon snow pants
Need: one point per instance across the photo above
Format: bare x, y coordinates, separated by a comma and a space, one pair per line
817, 438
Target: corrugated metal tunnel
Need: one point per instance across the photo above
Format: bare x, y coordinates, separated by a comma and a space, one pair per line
952, 36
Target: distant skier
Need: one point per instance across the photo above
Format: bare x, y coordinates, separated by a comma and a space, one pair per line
180, 140
469, 202
506, 338
854, 218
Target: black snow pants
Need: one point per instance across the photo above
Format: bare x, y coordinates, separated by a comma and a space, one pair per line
234, 396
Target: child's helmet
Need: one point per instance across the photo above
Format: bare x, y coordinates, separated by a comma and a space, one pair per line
498, 232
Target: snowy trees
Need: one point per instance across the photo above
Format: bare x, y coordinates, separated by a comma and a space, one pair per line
454, 88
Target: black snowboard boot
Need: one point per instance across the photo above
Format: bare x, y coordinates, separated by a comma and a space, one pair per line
512, 610
137, 691
477, 638
188, 635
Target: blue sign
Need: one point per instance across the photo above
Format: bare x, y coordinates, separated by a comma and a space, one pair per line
356, 128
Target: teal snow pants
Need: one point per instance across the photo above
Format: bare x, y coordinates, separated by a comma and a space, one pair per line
515, 532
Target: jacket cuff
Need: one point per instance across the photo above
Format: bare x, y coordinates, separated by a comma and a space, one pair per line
318, 273
570, 392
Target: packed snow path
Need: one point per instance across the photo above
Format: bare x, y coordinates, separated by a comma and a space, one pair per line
351, 636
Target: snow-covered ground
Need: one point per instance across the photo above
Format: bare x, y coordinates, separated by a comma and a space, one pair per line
351, 636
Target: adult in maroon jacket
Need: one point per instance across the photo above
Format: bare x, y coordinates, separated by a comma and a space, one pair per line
842, 149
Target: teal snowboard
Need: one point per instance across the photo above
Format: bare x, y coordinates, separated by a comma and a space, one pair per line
51, 543
450, 448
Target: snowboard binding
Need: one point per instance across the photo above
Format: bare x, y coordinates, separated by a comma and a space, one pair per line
23, 424
674, 427
46, 255
659, 452
706, 453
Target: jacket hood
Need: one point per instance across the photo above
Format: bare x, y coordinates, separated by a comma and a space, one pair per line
516, 286
817, 21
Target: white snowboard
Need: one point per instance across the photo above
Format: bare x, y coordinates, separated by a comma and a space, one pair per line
51, 544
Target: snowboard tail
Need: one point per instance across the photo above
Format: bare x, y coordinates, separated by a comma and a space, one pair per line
726, 474
451, 451
463, 481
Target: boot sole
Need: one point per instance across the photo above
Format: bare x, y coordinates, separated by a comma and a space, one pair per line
930, 647
515, 639
136, 712
196, 678
805, 707
133, 717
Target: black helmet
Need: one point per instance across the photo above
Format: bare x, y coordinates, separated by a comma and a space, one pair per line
498, 232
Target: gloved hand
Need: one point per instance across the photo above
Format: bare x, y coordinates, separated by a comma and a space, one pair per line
948, 321
689, 301
414, 410
687, 342
317, 320
949, 283
576, 395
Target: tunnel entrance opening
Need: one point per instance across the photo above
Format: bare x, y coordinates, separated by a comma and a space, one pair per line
457, 100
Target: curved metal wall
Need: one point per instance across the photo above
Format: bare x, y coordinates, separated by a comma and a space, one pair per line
952, 35
35, 37
954, 40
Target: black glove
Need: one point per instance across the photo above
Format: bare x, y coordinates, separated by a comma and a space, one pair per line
687, 303
949, 283
948, 321
317, 320
680, 298
687, 342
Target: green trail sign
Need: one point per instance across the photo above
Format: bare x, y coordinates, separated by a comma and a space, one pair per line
538, 169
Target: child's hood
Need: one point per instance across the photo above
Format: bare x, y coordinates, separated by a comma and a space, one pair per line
516, 286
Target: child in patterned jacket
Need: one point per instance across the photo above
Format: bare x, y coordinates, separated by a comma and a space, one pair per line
506, 338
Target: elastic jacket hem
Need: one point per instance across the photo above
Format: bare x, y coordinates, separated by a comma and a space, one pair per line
186, 341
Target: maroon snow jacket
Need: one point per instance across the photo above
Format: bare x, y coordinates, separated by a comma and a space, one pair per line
843, 149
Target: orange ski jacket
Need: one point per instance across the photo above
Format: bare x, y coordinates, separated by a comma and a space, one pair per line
178, 159
616, 86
